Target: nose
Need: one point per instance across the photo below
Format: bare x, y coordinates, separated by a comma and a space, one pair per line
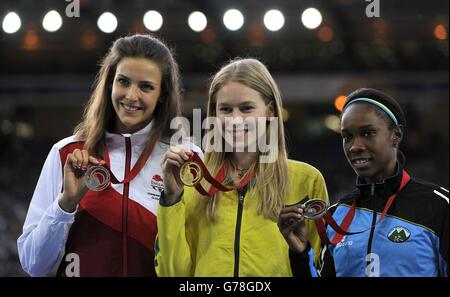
233, 120
234, 117
132, 93
357, 145
237, 115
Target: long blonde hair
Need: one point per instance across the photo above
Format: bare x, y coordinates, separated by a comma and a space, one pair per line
99, 113
271, 182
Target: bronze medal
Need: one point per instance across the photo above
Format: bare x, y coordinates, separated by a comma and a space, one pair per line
190, 173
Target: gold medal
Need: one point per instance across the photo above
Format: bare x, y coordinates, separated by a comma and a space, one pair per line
190, 173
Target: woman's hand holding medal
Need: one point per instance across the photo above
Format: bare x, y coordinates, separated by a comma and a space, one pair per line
291, 223
171, 163
182, 166
75, 187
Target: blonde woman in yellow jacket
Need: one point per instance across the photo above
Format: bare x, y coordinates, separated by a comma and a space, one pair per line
235, 233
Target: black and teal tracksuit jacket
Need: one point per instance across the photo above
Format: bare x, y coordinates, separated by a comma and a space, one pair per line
412, 240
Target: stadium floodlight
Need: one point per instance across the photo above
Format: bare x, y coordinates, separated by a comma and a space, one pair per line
233, 19
11, 23
197, 21
153, 20
311, 18
274, 20
107, 22
52, 21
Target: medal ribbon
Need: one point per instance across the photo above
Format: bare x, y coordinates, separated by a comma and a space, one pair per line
342, 229
216, 183
136, 168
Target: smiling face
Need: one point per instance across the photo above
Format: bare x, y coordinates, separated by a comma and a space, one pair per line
238, 108
369, 145
135, 93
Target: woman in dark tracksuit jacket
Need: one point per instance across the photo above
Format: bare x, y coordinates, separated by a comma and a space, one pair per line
411, 240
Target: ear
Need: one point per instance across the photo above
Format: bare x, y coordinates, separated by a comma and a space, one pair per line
397, 135
270, 112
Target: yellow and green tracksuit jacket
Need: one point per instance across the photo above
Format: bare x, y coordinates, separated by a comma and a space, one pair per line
241, 242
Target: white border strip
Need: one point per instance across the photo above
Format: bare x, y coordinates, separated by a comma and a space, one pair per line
440, 194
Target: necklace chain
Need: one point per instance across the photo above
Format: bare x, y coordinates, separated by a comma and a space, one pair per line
237, 168
240, 171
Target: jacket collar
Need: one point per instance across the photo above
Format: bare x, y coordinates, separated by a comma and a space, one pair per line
138, 137
386, 187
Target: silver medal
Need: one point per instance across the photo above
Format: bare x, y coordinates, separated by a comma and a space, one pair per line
315, 209
98, 178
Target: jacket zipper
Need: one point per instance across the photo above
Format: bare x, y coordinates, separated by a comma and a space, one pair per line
374, 218
237, 238
126, 188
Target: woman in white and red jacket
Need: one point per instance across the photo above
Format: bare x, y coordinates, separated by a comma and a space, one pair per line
72, 231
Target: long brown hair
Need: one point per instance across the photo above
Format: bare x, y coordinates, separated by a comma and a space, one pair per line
99, 113
272, 180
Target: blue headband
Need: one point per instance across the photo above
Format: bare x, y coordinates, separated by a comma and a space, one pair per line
376, 103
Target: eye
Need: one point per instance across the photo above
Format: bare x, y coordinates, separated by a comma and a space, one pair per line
225, 109
147, 87
369, 133
346, 137
246, 108
123, 82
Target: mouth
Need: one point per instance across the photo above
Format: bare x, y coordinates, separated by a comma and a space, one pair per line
360, 163
235, 129
237, 132
130, 108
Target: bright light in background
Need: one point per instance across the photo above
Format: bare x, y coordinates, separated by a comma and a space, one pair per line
52, 21
7, 127
24, 130
333, 123
440, 32
274, 20
233, 19
325, 34
339, 102
11, 23
197, 21
89, 39
107, 22
153, 20
311, 18
31, 40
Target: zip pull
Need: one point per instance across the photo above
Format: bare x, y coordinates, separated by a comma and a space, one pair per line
372, 189
241, 196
